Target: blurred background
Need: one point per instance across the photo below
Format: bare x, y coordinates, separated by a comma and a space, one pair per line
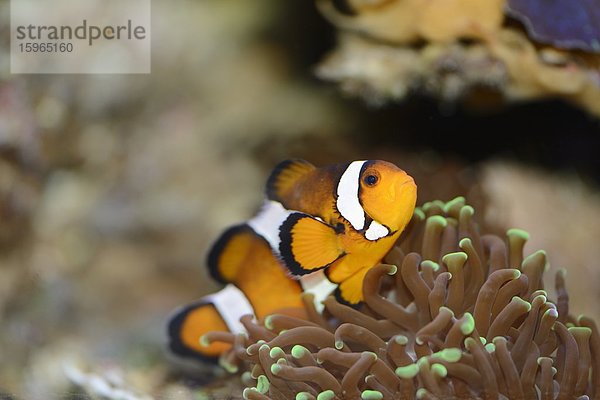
112, 187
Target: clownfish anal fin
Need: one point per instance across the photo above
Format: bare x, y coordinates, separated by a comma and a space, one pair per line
308, 244
284, 176
227, 254
349, 290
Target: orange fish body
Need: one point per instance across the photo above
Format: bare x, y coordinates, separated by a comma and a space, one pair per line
341, 219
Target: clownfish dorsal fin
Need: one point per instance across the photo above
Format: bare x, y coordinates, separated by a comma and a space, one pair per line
308, 244
227, 254
284, 176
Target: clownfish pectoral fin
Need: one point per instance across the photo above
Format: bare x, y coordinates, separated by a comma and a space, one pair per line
220, 311
227, 254
349, 291
284, 176
308, 244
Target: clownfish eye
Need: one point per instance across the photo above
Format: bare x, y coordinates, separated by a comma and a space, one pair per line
371, 180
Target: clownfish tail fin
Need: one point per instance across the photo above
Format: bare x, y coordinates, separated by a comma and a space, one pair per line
227, 253
308, 244
284, 175
219, 311
186, 327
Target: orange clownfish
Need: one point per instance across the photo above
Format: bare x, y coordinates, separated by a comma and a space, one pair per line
346, 218
339, 219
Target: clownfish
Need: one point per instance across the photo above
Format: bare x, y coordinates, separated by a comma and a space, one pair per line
319, 231
345, 218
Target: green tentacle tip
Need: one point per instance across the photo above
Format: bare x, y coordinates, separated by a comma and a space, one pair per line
580, 330
326, 395
204, 341
516, 273
419, 213
421, 393
543, 297
276, 352
371, 395
470, 342
459, 200
468, 325
371, 354
447, 310
269, 322
303, 396
551, 312
459, 256
482, 340
263, 384
401, 339
407, 372
264, 346
439, 370
275, 369
465, 242
490, 347
246, 392
339, 344
451, 354
540, 359
534, 257
522, 302
298, 351
437, 220
498, 338
467, 211
438, 203
281, 361
520, 233
229, 367
392, 270
430, 264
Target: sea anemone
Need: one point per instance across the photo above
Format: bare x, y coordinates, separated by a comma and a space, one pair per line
451, 313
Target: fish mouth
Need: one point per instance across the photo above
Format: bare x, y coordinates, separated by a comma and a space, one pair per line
402, 186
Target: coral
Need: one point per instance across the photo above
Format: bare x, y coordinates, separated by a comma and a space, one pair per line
452, 313
427, 45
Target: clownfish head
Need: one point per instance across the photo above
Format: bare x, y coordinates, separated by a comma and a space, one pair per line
387, 194
376, 197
